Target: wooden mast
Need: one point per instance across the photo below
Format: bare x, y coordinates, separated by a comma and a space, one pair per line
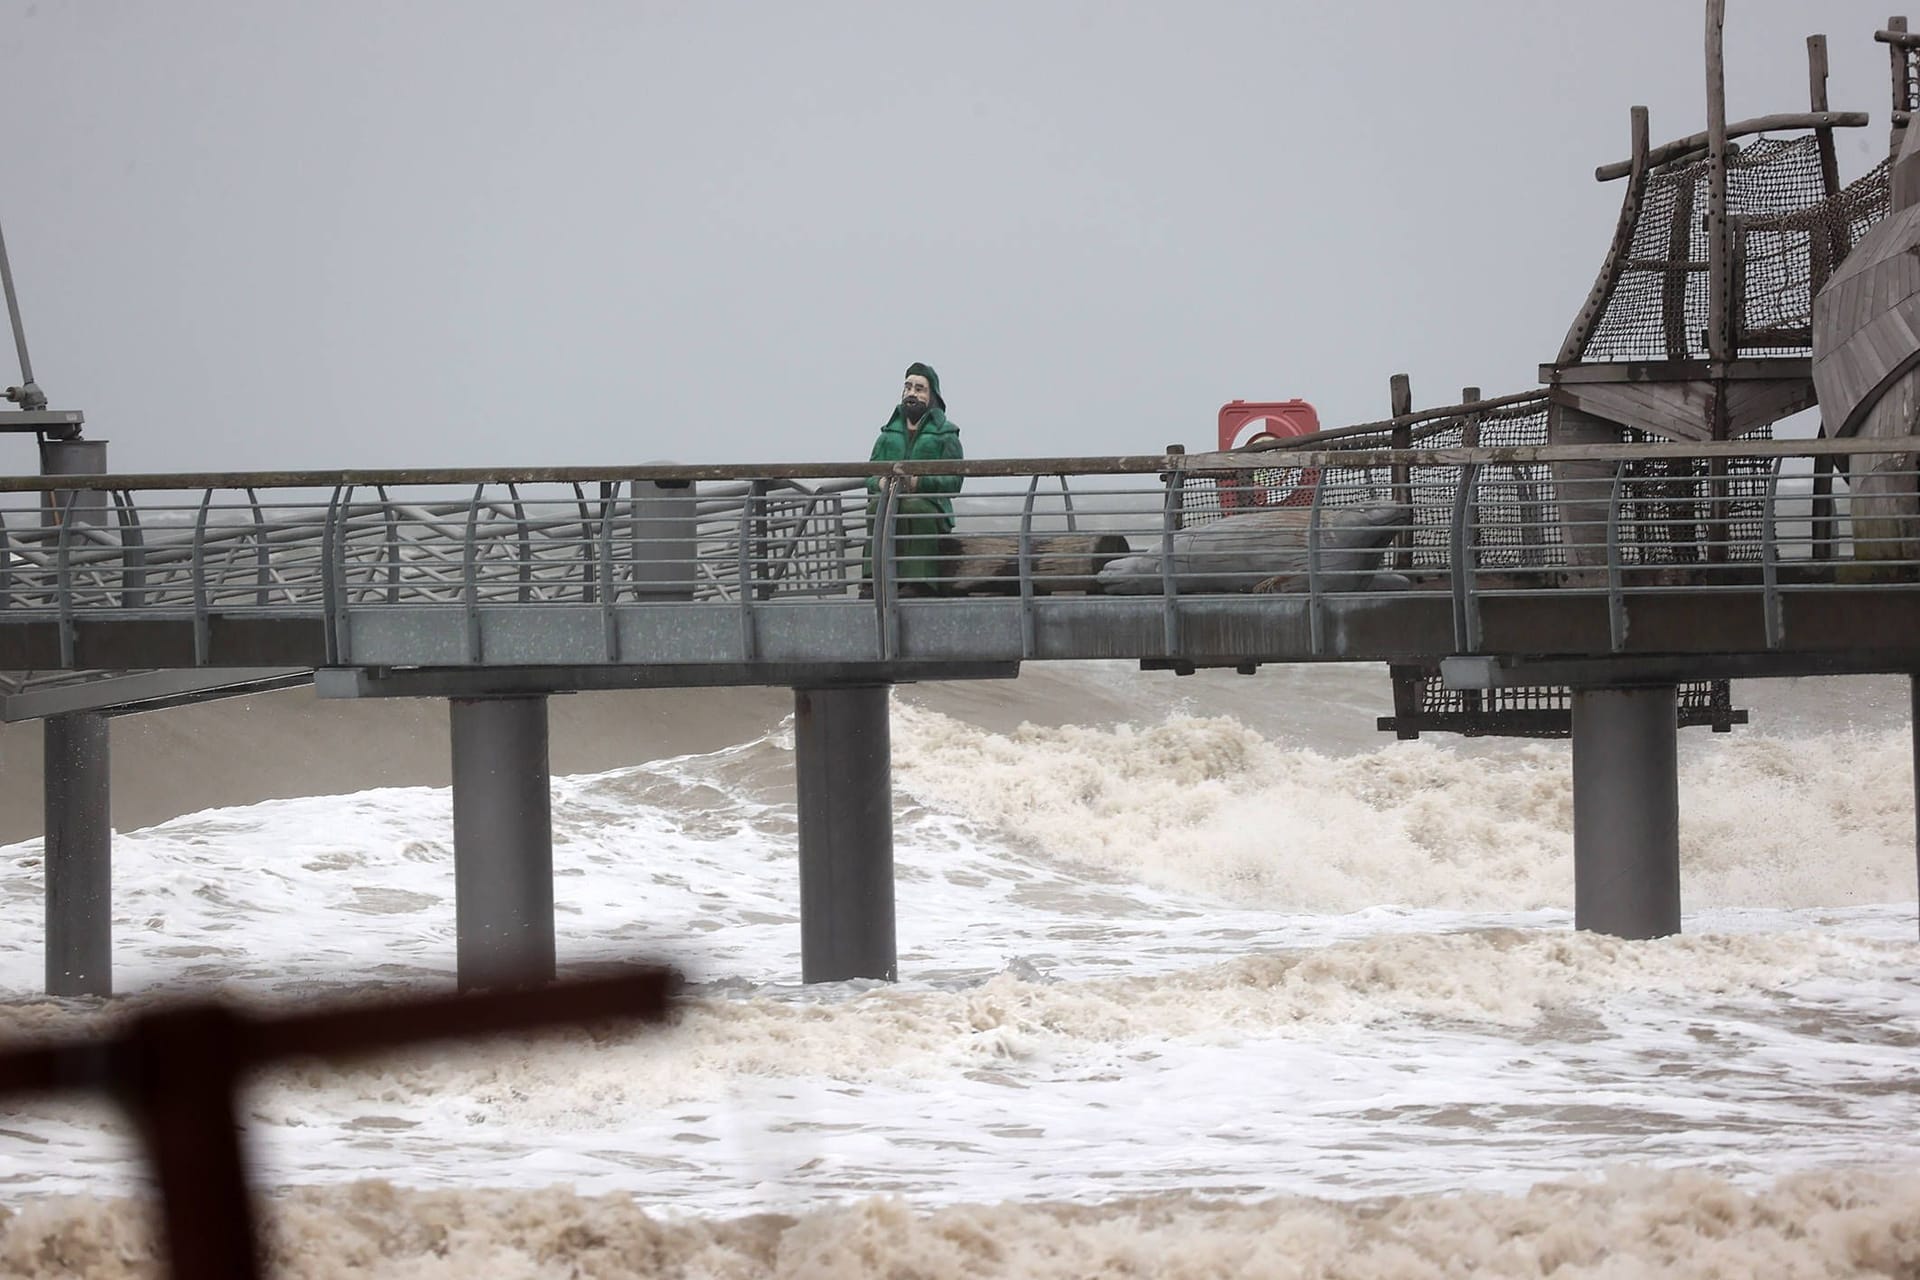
1720, 325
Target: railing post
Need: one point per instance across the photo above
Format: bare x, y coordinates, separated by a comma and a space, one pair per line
1616, 600
1025, 565
1770, 560
202, 621
1316, 623
1820, 512
884, 579
747, 560
1172, 483
332, 589
470, 576
757, 492
603, 570
1401, 473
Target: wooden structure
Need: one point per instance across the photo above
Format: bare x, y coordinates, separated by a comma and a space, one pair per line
1866, 338
1700, 323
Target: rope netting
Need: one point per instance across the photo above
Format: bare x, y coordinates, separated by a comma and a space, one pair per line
1529, 711
1789, 236
1673, 516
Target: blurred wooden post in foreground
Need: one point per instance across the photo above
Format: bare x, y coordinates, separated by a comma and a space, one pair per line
176, 1071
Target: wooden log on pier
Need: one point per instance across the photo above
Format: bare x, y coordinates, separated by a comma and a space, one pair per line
1265, 550
989, 563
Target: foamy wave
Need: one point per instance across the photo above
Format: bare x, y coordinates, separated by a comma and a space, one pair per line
1209, 806
1500, 978
1838, 1223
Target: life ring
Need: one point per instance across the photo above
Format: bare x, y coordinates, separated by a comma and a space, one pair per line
1277, 486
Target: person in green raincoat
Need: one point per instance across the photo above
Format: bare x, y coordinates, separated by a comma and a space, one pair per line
918, 431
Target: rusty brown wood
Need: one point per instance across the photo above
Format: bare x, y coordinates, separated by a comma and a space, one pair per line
1668, 152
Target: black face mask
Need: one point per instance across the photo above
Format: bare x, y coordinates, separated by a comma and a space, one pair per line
916, 409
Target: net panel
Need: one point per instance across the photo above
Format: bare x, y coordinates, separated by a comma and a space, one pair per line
1424, 705
1789, 237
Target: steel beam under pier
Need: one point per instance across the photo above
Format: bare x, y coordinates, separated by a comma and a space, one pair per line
78, 865
502, 842
1626, 812
843, 768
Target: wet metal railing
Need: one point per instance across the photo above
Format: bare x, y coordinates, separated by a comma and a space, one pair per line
1468, 525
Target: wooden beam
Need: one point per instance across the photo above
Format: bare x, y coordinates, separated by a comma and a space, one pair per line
1719, 233
1760, 368
1823, 252
1676, 410
1673, 286
1575, 344
1668, 152
1898, 42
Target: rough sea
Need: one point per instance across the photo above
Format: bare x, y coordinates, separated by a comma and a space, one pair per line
1199, 977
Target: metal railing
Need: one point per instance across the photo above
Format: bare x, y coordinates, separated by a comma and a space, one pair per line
1468, 524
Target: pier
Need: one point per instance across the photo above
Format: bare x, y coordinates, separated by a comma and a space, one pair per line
1593, 558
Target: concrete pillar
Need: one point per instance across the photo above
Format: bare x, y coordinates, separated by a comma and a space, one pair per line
1626, 812
843, 763
78, 865
1913, 703
502, 842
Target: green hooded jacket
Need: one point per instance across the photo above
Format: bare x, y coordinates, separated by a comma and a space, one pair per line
936, 439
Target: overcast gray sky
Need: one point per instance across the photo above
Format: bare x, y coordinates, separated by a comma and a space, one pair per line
353, 234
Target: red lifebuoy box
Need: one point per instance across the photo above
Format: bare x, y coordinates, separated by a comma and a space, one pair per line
1244, 421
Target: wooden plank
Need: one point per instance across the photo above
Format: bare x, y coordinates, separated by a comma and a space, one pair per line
1762, 368
1753, 404
1679, 411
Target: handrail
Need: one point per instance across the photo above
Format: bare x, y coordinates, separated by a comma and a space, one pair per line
1004, 468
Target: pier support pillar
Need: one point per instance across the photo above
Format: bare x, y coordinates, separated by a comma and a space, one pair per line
1626, 812
502, 842
1913, 702
843, 766
78, 865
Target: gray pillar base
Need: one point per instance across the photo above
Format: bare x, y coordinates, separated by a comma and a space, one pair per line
843, 765
1626, 812
502, 842
78, 865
